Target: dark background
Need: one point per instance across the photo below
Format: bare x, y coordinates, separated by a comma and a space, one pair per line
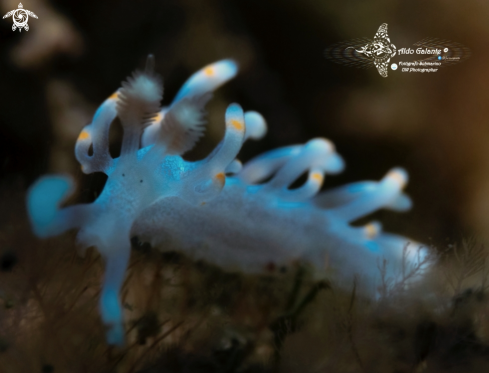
434, 125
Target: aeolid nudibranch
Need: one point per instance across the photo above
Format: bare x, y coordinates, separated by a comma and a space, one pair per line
215, 209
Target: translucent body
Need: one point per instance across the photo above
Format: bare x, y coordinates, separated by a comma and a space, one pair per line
257, 229
215, 209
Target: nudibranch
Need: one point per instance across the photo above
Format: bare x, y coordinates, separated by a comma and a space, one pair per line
236, 216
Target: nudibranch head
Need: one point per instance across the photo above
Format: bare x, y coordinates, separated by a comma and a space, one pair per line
149, 168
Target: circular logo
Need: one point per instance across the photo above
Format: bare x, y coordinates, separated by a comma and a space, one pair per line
445, 50
20, 18
394, 66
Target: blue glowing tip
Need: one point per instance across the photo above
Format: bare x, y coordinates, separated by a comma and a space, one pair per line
439, 57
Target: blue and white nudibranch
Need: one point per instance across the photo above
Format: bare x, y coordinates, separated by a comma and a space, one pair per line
215, 209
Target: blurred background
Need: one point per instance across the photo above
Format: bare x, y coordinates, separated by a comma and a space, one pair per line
435, 125
76, 54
